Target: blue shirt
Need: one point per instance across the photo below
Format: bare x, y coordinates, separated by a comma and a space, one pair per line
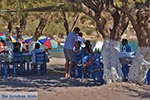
70, 40
126, 48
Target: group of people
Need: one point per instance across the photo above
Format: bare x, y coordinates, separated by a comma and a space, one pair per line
7, 47
75, 42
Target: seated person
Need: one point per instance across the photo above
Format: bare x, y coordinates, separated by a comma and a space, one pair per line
88, 48
25, 48
78, 54
17, 46
87, 52
88, 55
77, 48
37, 49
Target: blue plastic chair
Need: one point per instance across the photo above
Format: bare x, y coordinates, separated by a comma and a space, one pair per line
17, 61
4, 64
148, 77
40, 62
78, 64
98, 70
80, 68
95, 71
4, 68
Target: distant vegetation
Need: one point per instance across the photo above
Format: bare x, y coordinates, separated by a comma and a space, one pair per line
55, 23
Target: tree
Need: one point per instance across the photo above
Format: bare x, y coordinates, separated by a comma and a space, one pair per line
140, 19
16, 7
42, 23
100, 10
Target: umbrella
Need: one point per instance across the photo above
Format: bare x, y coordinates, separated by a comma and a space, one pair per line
51, 43
13, 38
24, 36
42, 39
28, 39
2, 36
2, 33
48, 42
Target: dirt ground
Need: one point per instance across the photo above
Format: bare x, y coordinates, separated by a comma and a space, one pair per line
54, 86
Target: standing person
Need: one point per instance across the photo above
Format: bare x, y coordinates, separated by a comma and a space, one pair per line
125, 67
70, 42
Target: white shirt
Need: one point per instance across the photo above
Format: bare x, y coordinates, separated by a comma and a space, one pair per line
82, 40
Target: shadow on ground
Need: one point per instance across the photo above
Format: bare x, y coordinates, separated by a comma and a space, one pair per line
53, 78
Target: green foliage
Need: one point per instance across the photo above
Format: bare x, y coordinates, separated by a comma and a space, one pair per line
131, 2
55, 24
147, 3
30, 27
89, 31
53, 28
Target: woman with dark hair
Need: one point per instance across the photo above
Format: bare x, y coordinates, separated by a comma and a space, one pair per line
87, 50
88, 55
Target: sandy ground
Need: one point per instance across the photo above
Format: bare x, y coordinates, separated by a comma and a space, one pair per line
53, 86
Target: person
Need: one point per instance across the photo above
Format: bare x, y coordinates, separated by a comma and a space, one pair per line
88, 48
70, 42
125, 67
77, 48
17, 46
88, 55
37, 49
81, 39
25, 47
2, 44
10, 45
47, 54
32, 46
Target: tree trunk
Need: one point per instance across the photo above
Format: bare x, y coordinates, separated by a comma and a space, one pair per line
21, 28
66, 25
111, 47
141, 25
74, 23
111, 34
140, 66
40, 29
9, 27
110, 54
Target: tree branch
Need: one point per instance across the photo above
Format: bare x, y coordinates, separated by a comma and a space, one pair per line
91, 4
131, 18
74, 22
